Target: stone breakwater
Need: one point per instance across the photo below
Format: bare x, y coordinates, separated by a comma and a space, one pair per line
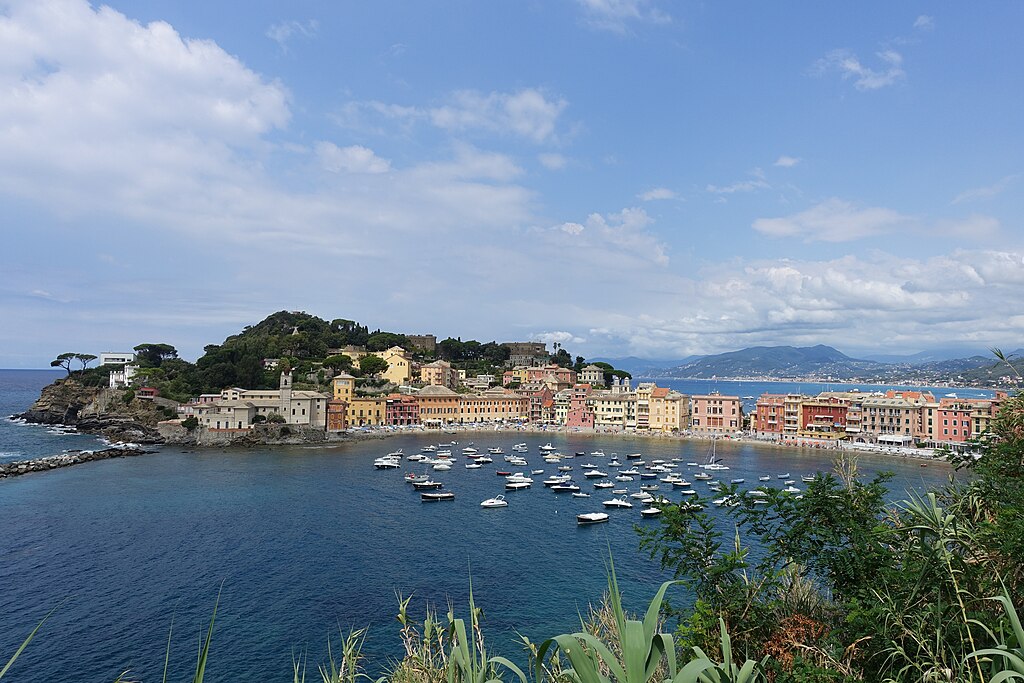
52, 462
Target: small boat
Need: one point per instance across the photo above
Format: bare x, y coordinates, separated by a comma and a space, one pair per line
791, 489
469, 466
469, 450
648, 487
416, 478
603, 485
617, 503
426, 485
415, 457
789, 482
632, 471
623, 477
517, 485
395, 454
681, 483
615, 463
484, 459
536, 471
565, 468
634, 456
442, 466
566, 486
807, 478
690, 507
502, 473
495, 451
518, 462
496, 502
782, 476
648, 475
591, 518
595, 474
692, 464
619, 492
598, 453
547, 448
429, 449
436, 496
386, 463
520, 448
641, 495
728, 501
688, 492
765, 477
554, 480
650, 512
580, 494
737, 481
703, 476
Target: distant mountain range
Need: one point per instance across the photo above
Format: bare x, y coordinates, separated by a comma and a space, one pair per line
826, 363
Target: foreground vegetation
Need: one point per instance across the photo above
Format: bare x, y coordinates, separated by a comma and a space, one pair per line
836, 586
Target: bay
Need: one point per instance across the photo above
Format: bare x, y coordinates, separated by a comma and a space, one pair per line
303, 542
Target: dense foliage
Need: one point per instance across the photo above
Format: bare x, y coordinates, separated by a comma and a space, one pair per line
840, 585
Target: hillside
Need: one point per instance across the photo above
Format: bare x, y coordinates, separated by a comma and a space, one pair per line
778, 362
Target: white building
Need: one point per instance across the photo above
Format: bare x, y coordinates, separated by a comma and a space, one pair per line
238, 407
116, 357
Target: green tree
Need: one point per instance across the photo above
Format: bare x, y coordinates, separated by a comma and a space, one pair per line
372, 365
339, 363
64, 360
190, 423
275, 418
155, 354
380, 341
84, 359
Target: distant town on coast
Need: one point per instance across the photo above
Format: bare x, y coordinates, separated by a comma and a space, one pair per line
298, 376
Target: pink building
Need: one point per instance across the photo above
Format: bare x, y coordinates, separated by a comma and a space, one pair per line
716, 414
580, 413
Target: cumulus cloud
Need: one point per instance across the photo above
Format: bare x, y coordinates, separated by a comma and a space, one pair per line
833, 220
558, 337
283, 32
354, 159
656, 194
786, 161
980, 193
849, 66
619, 235
617, 15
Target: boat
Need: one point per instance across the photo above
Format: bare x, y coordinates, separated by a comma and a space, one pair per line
619, 492
729, 501
580, 494
782, 476
681, 483
547, 448
519, 476
395, 454
648, 475
617, 503
469, 466
442, 466
650, 512
632, 472
692, 464
520, 448
536, 471
554, 480
690, 507
634, 456
807, 478
789, 482
496, 502
469, 450
429, 449
415, 457
591, 518
565, 468
641, 495
416, 478
648, 487
484, 459
426, 485
595, 474
518, 462
517, 485
599, 453
495, 451
791, 489
765, 477
386, 463
703, 476
623, 477
615, 463
603, 485
566, 486
436, 496
688, 492
737, 481
502, 473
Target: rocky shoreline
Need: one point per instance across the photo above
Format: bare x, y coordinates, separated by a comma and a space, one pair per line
67, 459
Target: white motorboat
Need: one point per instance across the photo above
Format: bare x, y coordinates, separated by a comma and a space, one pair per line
518, 462
599, 453
617, 503
764, 478
634, 456
436, 496
594, 474
565, 468
484, 459
619, 492
427, 485
442, 466
703, 476
791, 489
603, 485
591, 518
469, 450
692, 464
429, 449
517, 485
570, 486
580, 494
555, 480
415, 478
648, 487
386, 463
547, 448
519, 476
415, 457
681, 483
632, 472
496, 502
536, 471
589, 466
688, 492
395, 454
495, 451
623, 477
650, 512
807, 478
782, 476
615, 463
520, 448
471, 466
737, 481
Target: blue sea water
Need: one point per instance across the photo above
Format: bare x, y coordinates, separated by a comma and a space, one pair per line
302, 542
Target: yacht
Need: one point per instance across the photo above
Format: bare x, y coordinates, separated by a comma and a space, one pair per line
386, 463
547, 448
595, 474
415, 457
517, 485
427, 485
591, 518
617, 503
496, 502
395, 454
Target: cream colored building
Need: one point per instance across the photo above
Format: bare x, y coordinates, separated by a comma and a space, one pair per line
562, 401
592, 375
493, 405
439, 406
439, 373
669, 411
239, 407
399, 365
344, 387
613, 410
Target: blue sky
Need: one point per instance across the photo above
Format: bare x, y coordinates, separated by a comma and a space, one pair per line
626, 177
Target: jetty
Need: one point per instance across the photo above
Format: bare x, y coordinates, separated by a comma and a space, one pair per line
67, 459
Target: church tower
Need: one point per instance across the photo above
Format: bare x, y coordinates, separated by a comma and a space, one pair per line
286, 395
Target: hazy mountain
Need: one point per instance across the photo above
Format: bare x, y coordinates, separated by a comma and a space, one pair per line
779, 361
644, 367
930, 356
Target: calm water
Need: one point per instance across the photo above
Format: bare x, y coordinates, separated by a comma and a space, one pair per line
306, 541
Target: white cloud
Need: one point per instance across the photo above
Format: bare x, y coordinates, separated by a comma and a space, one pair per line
283, 32
616, 15
552, 161
354, 159
618, 235
571, 228
849, 66
528, 113
786, 161
559, 337
974, 227
924, 23
986, 192
833, 220
756, 183
656, 194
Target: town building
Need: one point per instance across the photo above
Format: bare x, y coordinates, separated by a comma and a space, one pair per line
669, 411
238, 408
422, 342
343, 387
367, 411
399, 365
337, 415
439, 406
714, 414
440, 373
527, 353
580, 413
401, 410
493, 405
592, 375
115, 358
613, 410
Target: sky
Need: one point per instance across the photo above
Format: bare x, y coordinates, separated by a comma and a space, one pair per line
624, 177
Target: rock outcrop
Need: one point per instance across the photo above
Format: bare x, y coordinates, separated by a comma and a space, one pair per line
97, 410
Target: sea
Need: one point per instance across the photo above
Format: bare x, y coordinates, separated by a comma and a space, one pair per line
297, 545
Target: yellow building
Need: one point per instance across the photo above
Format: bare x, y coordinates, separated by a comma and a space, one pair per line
493, 405
438, 406
344, 386
613, 410
669, 410
399, 365
367, 411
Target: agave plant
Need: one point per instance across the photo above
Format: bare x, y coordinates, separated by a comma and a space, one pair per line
643, 651
468, 661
